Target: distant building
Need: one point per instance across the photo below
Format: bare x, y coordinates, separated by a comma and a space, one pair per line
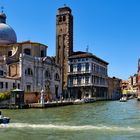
138, 79
125, 84
130, 80
25, 65
114, 88
133, 83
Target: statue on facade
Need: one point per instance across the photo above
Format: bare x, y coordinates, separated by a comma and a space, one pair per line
42, 97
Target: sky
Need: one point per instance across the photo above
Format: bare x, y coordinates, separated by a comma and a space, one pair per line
110, 28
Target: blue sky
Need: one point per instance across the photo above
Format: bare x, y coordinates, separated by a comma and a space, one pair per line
111, 28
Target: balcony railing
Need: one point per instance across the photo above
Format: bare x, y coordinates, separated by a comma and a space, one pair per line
88, 71
80, 72
80, 85
87, 84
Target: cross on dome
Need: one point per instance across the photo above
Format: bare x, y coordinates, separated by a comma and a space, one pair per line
2, 8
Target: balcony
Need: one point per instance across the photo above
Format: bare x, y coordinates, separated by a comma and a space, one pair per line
80, 85
79, 72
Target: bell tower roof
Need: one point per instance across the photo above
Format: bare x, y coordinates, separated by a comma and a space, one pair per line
64, 10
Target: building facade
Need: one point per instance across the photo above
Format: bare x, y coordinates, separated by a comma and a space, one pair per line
64, 41
133, 83
138, 80
7, 84
87, 76
114, 88
25, 65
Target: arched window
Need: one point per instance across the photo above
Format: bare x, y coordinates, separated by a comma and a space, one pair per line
79, 67
29, 72
57, 78
27, 51
47, 74
42, 53
87, 80
1, 72
71, 67
9, 53
60, 19
64, 18
87, 66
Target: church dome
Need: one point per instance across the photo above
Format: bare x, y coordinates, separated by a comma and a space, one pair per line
7, 34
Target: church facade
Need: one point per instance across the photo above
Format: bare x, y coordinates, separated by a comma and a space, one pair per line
25, 65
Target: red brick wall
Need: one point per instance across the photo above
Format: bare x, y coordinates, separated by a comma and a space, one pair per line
31, 97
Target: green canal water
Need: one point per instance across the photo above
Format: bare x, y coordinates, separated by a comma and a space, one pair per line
107, 120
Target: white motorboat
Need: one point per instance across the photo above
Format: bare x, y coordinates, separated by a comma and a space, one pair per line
78, 101
84, 100
123, 99
138, 98
89, 100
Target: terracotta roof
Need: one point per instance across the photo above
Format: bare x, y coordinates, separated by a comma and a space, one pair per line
23, 42
81, 54
31, 42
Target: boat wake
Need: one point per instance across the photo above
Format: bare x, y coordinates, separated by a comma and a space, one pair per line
68, 127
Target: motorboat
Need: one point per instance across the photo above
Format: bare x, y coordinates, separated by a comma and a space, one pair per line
89, 100
123, 99
84, 100
3, 119
78, 101
138, 98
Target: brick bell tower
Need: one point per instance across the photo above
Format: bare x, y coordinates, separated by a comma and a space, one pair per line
64, 41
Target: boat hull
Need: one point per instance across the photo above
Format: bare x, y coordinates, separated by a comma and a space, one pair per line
123, 99
4, 120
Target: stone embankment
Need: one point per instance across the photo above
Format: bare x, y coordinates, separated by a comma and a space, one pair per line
50, 104
7, 105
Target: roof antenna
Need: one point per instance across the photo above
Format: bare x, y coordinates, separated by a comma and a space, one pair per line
87, 48
2, 8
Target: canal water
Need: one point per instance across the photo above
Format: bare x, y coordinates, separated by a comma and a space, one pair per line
104, 120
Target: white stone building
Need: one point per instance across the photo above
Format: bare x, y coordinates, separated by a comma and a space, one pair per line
25, 65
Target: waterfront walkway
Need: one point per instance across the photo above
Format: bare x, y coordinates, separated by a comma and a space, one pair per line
51, 104
46, 104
